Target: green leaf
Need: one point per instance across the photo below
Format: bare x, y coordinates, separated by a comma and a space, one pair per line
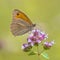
32, 53
45, 55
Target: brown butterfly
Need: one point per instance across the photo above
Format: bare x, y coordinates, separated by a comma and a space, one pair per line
21, 24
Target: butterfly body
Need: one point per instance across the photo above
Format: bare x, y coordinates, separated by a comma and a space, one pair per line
21, 24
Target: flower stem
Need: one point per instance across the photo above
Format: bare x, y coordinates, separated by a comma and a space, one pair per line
42, 51
38, 52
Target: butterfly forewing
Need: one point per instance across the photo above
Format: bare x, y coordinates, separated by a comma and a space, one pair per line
17, 14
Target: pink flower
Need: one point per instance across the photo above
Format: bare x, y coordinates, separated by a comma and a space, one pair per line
48, 45
26, 47
43, 36
36, 37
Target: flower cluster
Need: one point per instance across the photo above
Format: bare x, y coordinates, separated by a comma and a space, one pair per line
35, 38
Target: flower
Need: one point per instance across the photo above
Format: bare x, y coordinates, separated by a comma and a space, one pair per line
43, 36
36, 37
48, 45
26, 47
36, 32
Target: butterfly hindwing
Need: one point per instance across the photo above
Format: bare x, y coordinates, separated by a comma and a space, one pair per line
18, 29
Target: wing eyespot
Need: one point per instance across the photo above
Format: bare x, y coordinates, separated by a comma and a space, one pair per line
17, 14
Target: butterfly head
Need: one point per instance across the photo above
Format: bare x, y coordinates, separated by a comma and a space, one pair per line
34, 25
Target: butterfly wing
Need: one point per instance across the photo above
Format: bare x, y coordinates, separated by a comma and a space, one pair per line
17, 14
20, 23
18, 29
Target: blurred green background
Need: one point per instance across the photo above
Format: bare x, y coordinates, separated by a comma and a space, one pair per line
45, 13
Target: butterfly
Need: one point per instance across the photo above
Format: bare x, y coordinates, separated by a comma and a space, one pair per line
21, 24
